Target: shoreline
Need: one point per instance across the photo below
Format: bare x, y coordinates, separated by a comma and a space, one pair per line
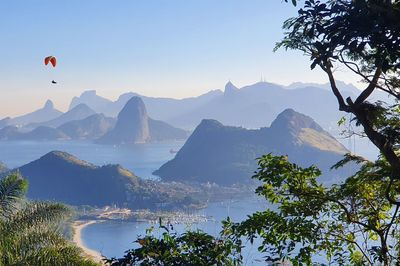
78, 226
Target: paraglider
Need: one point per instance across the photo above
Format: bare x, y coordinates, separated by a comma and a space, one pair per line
50, 59
53, 61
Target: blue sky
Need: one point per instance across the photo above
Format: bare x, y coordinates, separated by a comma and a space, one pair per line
170, 48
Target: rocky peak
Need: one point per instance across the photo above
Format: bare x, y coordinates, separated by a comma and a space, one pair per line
209, 123
230, 89
48, 105
132, 125
63, 157
134, 108
82, 107
290, 120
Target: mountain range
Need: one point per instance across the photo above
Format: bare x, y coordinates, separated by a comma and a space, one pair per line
132, 126
47, 112
227, 155
251, 106
159, 108
79, 112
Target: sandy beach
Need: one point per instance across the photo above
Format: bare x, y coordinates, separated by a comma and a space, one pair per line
78, 227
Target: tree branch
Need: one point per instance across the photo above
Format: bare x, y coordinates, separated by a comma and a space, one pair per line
371, 87
342, 105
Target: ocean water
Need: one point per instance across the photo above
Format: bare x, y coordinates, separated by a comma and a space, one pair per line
112, 238
142, 159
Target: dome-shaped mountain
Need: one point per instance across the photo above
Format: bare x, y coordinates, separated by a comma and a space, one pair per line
134, 126
290, 120
63, 177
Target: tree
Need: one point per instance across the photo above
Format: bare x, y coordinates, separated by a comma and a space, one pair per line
347, 223
364, 37
355, 222
190, 248
31, 233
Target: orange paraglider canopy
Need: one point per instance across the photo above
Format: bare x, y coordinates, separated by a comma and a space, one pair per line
50, 59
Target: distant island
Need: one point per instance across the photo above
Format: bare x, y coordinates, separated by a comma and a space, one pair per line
227, 155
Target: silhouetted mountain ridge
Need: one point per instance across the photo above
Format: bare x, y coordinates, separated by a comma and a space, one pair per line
60, 176
227, 154
79, 112
47, 112
92, 127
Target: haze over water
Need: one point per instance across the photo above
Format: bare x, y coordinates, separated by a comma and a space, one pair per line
142, 159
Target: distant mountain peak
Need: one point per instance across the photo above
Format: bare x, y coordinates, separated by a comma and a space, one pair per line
227, 154
135, 106
135, 126
83, 106
65, 157
210, 123
230, 88
48, 105
92, 100
132, 124
135, 102
89, 93
291, 120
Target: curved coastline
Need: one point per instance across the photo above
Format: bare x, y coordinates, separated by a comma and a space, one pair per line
78, 226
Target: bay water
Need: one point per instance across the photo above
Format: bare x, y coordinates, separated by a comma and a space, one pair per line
113, 238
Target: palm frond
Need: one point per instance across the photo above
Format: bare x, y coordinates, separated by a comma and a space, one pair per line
35, 213
12, 189
41, 246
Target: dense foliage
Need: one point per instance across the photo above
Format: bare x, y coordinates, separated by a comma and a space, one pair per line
190, 248
31, 233
348, 223
354, 222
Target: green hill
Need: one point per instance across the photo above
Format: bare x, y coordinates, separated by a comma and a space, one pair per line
226, 155
60, 176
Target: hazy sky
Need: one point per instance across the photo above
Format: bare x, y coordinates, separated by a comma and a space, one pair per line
172, 48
